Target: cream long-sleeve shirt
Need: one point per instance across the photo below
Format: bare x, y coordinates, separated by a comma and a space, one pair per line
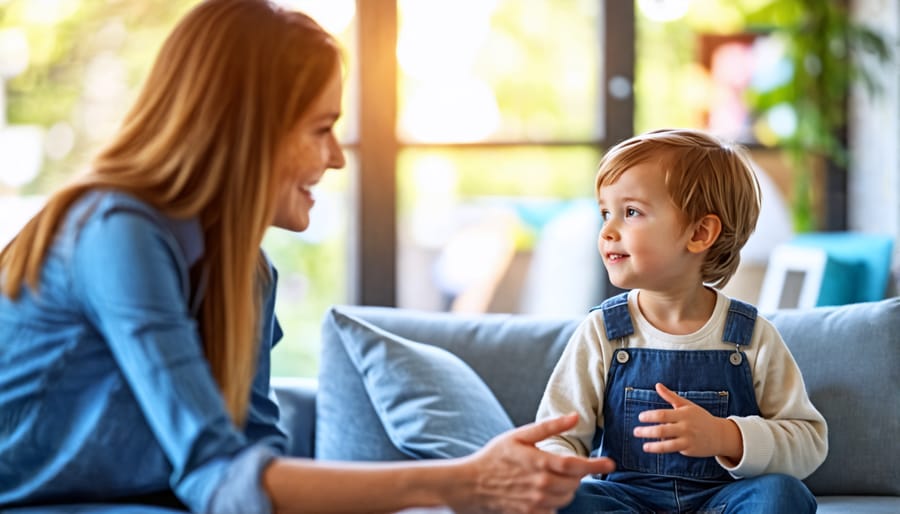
789, 436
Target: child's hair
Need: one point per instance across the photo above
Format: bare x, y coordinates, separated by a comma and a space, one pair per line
703, 175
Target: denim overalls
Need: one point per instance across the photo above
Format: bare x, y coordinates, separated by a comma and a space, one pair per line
718, 380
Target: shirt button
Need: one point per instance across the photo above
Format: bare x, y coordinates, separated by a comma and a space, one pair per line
622, 356
736, 359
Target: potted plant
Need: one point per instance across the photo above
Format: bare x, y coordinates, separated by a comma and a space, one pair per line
825, 50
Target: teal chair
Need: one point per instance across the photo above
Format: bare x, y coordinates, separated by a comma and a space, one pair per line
864, 259
827, 268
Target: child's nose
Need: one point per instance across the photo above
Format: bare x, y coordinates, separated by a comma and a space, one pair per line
608, 230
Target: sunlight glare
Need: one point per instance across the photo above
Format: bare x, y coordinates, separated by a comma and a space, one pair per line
454, 110
664, 10
49, 12
435, 182
437, 47
21, 148
333, 15
438, 40
13, 52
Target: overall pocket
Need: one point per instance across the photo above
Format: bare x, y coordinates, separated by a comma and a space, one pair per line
668, 464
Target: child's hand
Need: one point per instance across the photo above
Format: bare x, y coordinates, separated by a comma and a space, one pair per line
689, 429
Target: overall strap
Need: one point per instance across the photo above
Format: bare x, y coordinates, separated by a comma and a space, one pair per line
616, 317
739, 323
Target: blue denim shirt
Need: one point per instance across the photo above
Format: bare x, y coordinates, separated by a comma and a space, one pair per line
104, 388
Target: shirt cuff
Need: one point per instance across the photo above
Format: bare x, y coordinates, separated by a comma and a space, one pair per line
556, 445
241, 488
759, 445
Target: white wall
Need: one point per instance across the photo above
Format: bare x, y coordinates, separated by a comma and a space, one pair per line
874, 136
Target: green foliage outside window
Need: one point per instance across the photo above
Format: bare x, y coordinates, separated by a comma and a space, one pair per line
826, 52
71, 42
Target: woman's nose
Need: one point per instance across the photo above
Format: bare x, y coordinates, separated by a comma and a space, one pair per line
337, 159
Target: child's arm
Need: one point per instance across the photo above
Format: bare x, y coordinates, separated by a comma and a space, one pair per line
577, 385
790, 435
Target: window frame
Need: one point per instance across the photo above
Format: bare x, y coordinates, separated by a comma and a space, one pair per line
373, 244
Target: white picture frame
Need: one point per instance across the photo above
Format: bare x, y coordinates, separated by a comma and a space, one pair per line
793, 278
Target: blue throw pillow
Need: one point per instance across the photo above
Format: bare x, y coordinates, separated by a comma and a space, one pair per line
430, 402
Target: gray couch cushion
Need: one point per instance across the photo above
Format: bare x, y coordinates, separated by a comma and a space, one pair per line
347, 426
513, 355
850, 360
430, 403
858, 505
297, 402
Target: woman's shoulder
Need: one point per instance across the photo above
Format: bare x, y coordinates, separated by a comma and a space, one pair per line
119, 209
102, 203
95, 206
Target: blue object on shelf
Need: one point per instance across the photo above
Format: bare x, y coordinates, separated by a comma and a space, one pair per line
863, 265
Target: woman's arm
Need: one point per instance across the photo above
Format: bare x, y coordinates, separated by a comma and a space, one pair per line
132, 281
508, 475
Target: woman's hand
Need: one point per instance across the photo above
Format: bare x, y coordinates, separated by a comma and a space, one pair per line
510, 475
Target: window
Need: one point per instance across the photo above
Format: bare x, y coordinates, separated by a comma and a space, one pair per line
502, 111
475, 119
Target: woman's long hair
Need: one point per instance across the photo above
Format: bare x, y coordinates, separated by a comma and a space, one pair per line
200, 142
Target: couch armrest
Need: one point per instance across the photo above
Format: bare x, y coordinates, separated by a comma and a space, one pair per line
297, 400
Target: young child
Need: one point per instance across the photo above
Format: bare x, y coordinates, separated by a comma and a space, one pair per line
694, 395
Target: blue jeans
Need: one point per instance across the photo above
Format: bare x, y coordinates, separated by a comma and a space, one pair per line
765, 494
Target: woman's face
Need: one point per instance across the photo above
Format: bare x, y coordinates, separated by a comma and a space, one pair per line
310, 148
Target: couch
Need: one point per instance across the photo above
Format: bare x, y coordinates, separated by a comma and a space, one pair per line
398, 384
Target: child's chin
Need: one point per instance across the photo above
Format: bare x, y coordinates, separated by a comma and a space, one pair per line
620, 282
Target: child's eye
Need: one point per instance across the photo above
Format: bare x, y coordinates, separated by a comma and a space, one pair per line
604, 215
631, 212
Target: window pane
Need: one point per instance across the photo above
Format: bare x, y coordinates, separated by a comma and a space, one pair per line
501, 70
313, 265
473, 221
715, 56
312, 273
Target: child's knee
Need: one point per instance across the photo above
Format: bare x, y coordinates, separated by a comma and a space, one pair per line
787, 492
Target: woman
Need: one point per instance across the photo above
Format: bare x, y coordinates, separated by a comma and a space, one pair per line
137, 310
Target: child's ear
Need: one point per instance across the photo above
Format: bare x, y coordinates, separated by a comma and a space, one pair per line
706, 231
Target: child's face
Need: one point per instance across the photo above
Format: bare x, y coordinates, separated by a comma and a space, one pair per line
644, 239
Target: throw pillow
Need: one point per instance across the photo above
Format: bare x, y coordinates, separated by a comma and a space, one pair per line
430, 403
